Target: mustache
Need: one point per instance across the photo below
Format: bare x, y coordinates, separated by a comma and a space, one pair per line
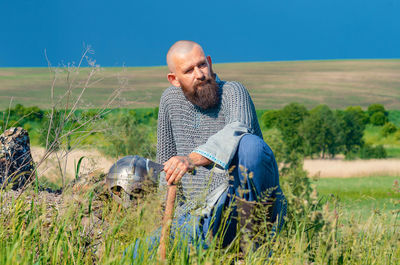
206, 81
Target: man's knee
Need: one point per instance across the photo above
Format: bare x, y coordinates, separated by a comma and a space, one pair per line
253, 150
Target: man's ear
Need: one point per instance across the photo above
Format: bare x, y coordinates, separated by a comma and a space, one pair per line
210, 63
173, 80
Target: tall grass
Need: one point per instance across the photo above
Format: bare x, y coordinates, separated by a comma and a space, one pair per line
87, 227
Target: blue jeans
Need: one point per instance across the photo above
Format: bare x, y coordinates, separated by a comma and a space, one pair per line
255, 177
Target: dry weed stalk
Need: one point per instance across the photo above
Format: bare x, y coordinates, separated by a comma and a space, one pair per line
68, 105
61, 138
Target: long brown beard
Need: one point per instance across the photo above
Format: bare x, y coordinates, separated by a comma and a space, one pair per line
205, 94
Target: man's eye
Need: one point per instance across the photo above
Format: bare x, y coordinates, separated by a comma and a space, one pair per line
189, 71
203, 65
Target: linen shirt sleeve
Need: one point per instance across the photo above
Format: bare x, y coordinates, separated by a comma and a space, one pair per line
240, 119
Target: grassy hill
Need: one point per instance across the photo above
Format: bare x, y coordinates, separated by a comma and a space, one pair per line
337, 83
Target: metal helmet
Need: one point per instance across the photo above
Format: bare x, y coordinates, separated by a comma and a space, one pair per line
132, 173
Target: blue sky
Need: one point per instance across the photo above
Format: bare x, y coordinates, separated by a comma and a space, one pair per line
139, 33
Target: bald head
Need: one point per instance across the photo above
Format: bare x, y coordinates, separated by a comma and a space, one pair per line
188, 65
179, 48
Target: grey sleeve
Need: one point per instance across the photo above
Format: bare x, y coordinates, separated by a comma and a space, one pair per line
165, 141
240, 119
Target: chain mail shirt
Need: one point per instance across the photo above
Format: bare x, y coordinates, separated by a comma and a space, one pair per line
214, 133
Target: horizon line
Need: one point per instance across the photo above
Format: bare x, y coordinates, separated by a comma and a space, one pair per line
237, 62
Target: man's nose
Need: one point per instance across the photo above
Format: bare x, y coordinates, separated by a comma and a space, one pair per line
199, 74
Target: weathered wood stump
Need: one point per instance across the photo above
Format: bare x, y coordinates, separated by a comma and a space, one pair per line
16, 164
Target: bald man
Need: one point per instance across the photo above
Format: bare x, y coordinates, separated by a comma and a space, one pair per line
206, 127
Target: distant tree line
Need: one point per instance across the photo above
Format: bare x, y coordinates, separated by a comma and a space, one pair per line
322, 132
319, 132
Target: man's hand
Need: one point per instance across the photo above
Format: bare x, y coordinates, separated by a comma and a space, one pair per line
178, 166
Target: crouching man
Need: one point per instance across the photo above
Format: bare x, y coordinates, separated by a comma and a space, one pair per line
211, 146
207, 127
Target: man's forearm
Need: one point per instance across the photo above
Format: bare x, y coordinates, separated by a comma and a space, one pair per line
198, 160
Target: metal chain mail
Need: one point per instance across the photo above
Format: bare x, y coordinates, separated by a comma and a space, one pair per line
183, 126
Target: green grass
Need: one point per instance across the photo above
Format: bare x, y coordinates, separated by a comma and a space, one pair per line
393, 151
35, 231
361, 196
394, 116
337, 83
373, 136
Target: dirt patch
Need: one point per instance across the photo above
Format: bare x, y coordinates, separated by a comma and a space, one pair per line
93, 160
327, 168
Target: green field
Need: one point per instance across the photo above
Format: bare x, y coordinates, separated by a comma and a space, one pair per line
362, 196
373, 135
339, 84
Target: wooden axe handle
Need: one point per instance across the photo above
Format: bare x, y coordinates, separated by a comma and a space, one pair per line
167, 219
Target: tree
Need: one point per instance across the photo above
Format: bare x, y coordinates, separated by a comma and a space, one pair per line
373, 108
20, 115
270, 118
290, 119
320, 131
362, 116
388, 129
351, 130
369, 151
377, 114
378, 119
273, 138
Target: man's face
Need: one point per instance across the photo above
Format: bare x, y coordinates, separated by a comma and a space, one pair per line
193, 71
